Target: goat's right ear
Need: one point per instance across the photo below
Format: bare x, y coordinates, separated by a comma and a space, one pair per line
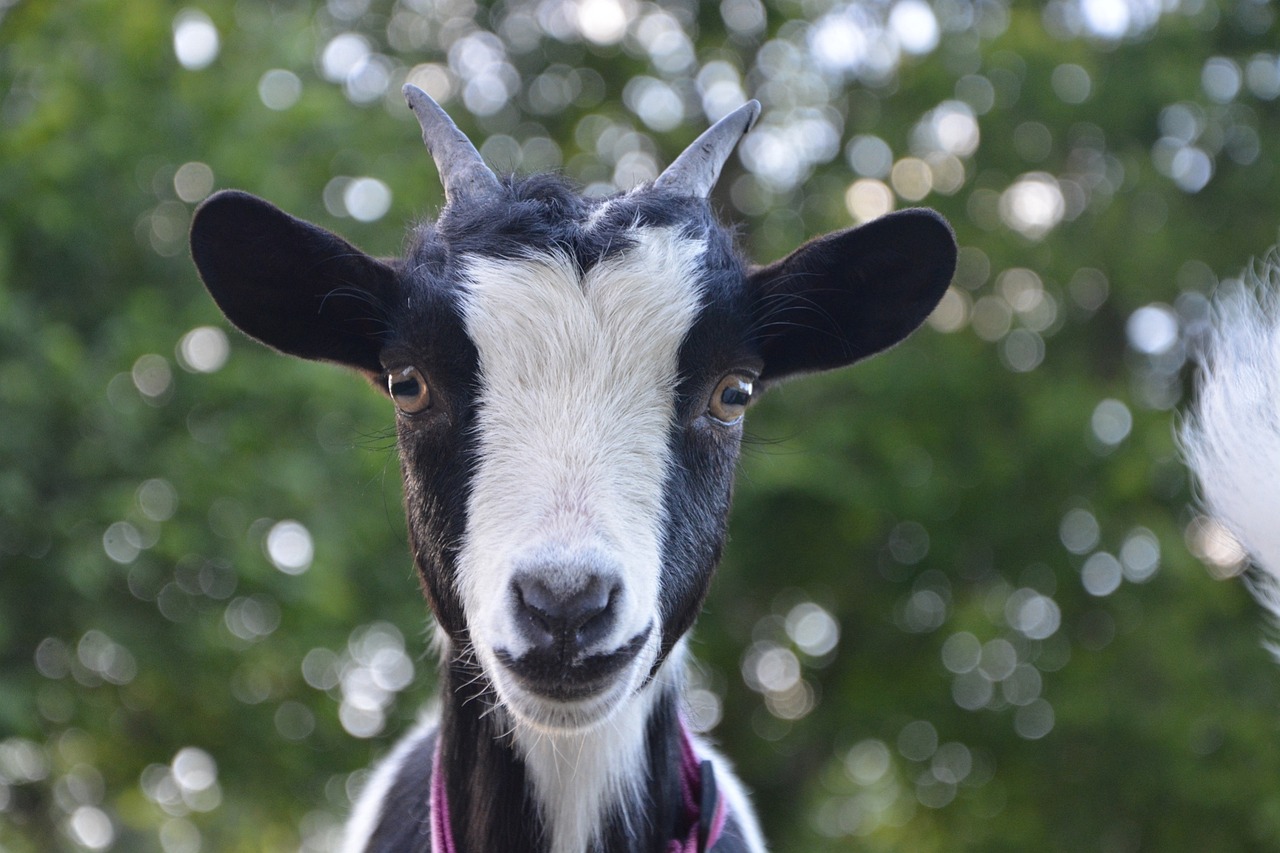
292, 285
851, 294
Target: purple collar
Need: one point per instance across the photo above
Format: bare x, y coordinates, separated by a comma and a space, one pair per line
704, 809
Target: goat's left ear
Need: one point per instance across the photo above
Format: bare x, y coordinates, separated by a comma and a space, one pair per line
292, 285
851, 294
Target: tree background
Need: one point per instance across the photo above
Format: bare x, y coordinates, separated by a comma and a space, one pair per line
968, 603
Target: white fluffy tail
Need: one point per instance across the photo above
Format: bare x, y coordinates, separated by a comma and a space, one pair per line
1231, 438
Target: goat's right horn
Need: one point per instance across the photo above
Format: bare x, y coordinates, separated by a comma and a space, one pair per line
462, 170
697, 169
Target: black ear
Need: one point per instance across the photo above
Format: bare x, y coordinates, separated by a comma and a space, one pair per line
290, 284
851, 294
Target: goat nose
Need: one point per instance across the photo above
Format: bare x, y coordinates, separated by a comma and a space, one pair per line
568, 622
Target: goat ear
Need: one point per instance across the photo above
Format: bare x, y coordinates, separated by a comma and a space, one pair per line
289, 284
851, 294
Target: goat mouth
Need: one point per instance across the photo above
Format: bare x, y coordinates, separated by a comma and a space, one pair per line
551, 674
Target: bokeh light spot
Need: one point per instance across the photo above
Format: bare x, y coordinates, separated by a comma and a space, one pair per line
343, 53
1071, 83
1101, 574
1152, 329
952, 311
1111, 422
703, 709
366, 199
204, 349
1022, 351
193, 181
915, 26
912, 178
867, 198
743, 17
868, 761
814, 631
122, 542
252, 618
279, 89
1140, 555
603, 22
1033, 205
289, 547
1191, 169
1108, 19
1034, 721
1216, 547
918, 740
657, 104
869, 156
1035, 616
157, 499
90, 827
195, 39
1262, 76
194, 769
1221, 79
961, 652
152, 376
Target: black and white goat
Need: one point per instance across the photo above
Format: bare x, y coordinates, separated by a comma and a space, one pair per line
570, 377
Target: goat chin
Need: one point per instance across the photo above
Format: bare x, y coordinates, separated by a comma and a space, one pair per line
1231, 438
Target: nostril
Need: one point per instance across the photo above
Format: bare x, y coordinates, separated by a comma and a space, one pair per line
596, 617
572, 620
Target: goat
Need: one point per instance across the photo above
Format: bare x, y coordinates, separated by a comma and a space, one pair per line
570, 376
1231, 437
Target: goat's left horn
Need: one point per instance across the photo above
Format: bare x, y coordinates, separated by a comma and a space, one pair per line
462, 170
696, 170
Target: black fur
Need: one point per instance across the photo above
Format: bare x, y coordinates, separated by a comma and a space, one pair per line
851, 294
490, 802
404, 823
292, 285
703, 453
484, 782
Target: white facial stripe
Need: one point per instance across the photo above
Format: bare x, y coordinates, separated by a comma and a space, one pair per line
578, 377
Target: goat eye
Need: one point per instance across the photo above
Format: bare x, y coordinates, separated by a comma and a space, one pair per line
409, 390
729, 400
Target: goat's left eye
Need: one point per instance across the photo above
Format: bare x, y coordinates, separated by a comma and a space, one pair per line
409, 390
729, 400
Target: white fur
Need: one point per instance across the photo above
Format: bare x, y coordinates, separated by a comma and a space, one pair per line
735, 796
578, 377
578, 774
1232, 437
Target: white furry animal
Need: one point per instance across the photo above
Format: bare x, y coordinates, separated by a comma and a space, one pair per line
1231, 438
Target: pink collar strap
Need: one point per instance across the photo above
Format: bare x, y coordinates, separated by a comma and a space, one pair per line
704, 809
441, 828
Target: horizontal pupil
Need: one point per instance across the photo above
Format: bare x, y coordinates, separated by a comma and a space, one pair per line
735, 397
406, 388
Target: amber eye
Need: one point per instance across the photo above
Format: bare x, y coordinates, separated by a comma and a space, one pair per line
408, 389
729, 400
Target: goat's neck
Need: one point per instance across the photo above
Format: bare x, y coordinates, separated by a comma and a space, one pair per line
510, 787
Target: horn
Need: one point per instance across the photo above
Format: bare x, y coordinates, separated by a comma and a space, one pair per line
462, 171
696, 171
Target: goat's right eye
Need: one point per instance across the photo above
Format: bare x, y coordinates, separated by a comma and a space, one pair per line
409, 390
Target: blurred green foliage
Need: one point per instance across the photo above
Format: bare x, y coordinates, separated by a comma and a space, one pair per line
992, 517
